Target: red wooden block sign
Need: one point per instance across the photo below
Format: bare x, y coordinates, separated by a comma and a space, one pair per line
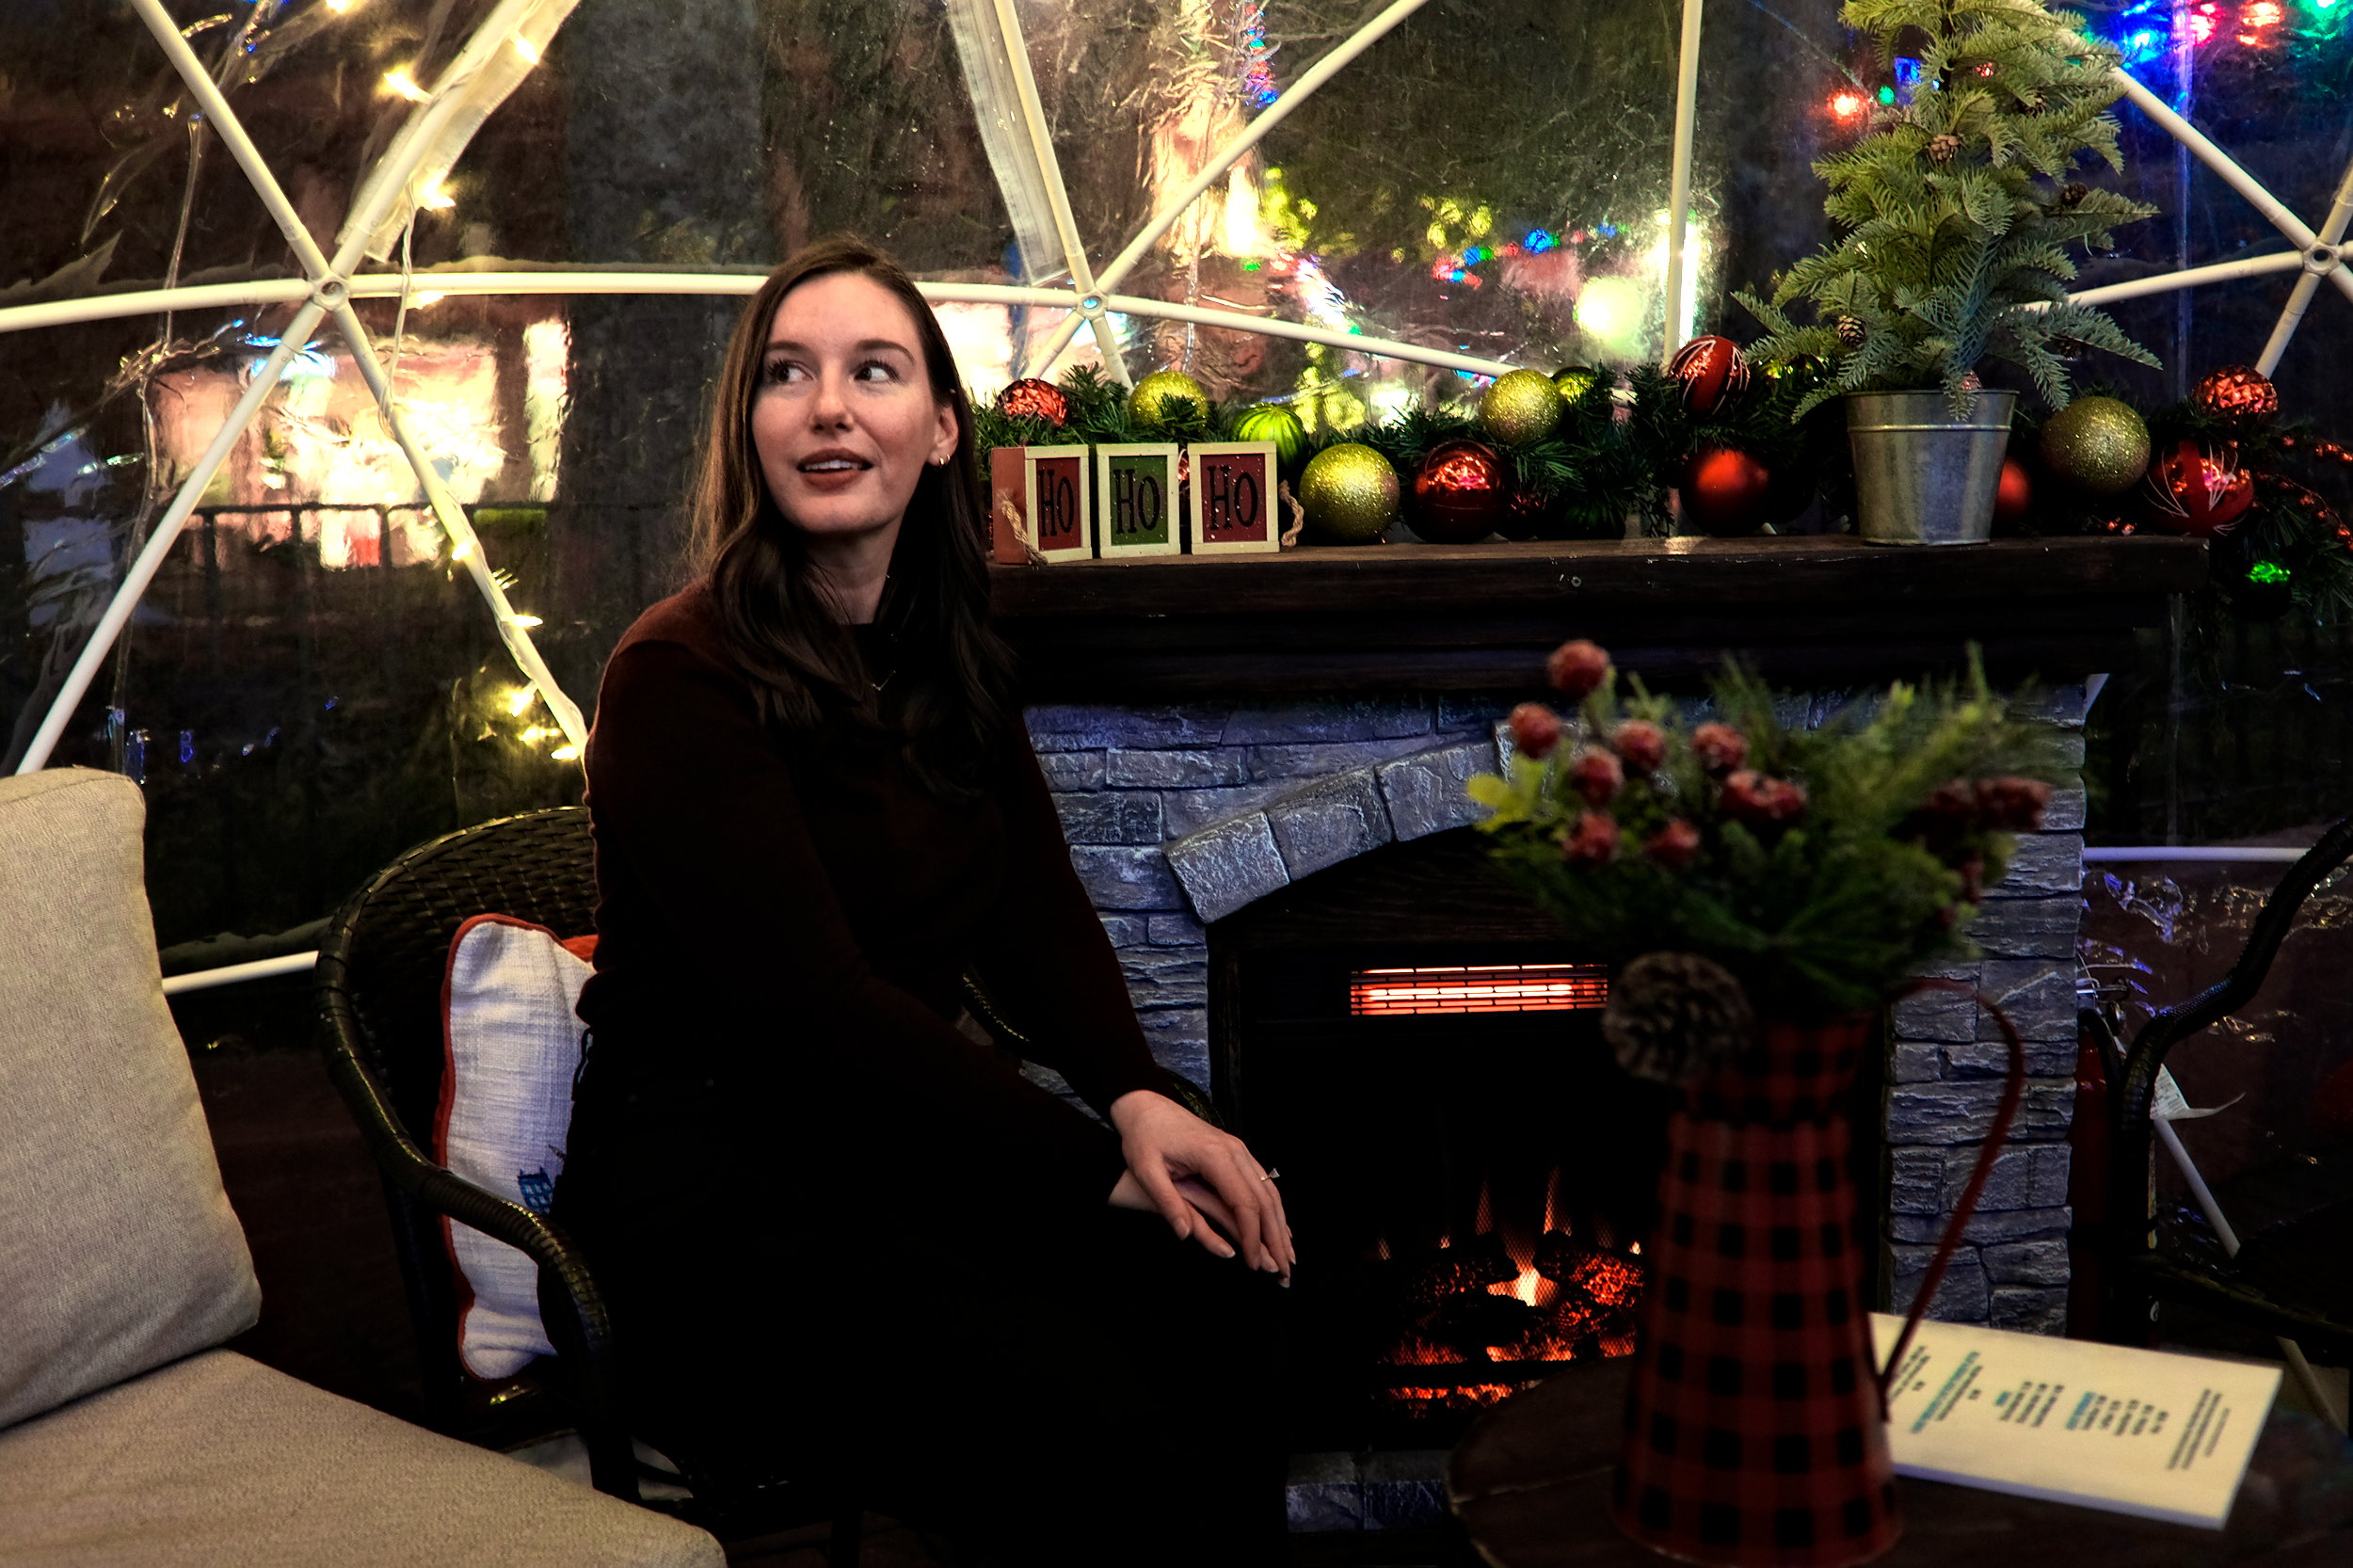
1054, 488
1233, 503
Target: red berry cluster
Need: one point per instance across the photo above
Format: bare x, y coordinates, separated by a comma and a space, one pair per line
1637, 748
1751, 797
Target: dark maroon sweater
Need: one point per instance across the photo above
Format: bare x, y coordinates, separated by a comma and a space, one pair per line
783, 919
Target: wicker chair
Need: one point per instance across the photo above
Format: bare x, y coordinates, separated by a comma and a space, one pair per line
378, 983
379, 986
2279, 1282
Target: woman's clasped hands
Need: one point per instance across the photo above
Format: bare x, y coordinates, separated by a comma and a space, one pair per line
1204, 1182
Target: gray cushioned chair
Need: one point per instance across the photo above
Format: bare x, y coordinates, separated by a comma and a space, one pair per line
127, 1436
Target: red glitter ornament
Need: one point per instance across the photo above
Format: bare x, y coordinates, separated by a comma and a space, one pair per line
1711, 370
2240, 392
2197, 490
2014, 497
1723, 491
1030, 398
1460, 493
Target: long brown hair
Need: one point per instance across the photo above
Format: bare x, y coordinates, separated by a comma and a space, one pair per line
954, 673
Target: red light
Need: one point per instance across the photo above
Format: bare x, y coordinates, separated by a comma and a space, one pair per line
2262, 14
2201, 28
1478, 988
1846, 104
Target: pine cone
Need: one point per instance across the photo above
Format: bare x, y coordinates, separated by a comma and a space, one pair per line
1942, 148
1969, 382
1850, 330
2068, 348
2072, 192
1676, 1017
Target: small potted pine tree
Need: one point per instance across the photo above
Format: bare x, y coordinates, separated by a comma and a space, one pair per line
1955, 212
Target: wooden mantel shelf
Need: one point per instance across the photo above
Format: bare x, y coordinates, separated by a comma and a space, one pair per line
1820, 612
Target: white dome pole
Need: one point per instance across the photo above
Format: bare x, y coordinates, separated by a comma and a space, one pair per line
1679, 179
1057, 193
328, 293
2315, 264
1274, 114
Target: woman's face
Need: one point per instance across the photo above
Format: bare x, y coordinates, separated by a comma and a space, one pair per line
845, 416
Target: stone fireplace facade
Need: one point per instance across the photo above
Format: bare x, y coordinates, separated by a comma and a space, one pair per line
1179, 814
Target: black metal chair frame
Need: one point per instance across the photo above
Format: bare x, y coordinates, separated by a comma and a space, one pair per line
2141, 1272
379, 986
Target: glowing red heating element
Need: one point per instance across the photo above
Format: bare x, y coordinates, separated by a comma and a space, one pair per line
1478, 988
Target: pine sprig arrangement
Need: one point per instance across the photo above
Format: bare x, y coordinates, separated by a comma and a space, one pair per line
1820, 866
1957, 210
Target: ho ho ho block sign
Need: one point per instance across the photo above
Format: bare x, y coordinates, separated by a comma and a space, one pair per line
1054, 501
1135, 501
1232, 507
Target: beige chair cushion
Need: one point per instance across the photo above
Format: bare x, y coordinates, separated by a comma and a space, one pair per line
118, 1248
218, 1460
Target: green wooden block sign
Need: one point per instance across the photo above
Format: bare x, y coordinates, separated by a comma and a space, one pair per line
1135, 501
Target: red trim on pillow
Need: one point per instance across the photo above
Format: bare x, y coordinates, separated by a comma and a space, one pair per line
581, 948
441, 1114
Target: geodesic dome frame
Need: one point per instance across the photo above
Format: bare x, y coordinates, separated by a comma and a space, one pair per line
510, 41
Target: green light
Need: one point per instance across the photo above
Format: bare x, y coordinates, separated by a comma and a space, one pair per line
2267, 572
1887, 95
1250, 266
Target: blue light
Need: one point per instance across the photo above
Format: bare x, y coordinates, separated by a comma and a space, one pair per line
1539, 241
1455, 276
1907, 78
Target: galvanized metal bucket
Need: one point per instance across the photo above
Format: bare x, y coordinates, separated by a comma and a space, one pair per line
1921, 476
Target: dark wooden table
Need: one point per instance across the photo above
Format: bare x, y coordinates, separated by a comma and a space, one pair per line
1530, 1484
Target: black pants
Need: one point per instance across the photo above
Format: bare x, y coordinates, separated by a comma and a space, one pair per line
1042, 1390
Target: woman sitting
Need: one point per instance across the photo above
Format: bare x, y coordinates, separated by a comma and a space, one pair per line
838, 1236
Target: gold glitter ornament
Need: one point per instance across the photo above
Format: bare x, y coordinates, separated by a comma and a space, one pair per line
2097, 444
1350, 491
1522, 405
1148, 404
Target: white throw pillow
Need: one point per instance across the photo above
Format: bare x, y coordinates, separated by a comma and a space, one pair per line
513, 1046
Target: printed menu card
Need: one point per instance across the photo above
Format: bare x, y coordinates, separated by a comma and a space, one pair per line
2149, 1433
